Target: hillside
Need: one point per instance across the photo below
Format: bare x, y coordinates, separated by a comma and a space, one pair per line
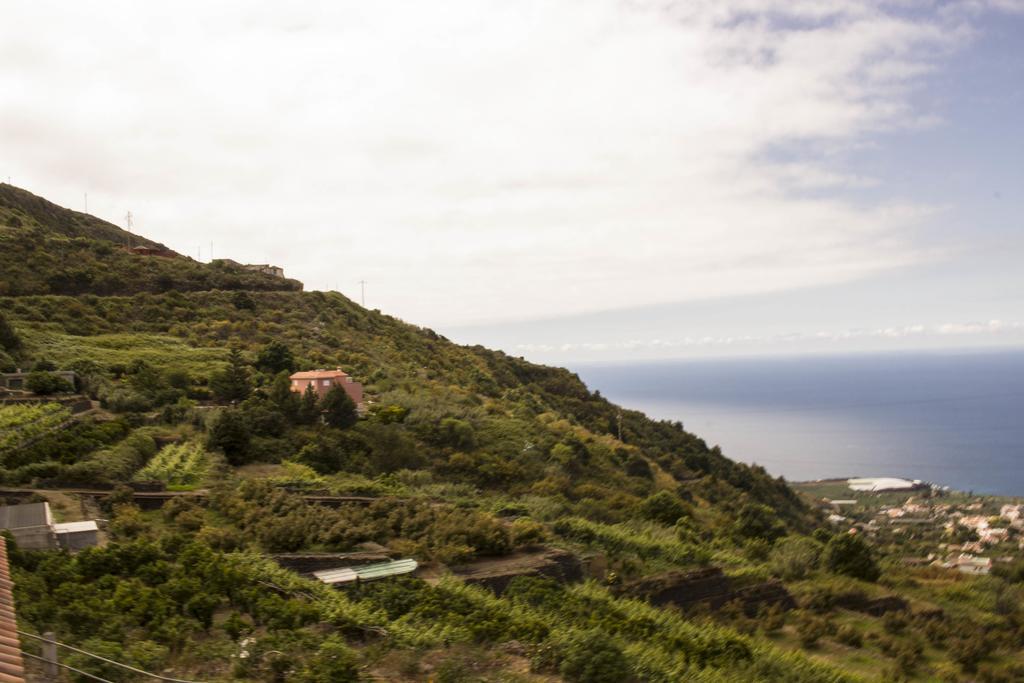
464, 453
46, 249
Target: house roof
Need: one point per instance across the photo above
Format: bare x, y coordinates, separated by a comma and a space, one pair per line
76, 527
26, 515
12, 668
319, 374
367, 572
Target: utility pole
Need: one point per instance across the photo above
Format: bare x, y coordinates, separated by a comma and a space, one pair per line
49, 652
87, 202
362, 292
128, 220
211, 251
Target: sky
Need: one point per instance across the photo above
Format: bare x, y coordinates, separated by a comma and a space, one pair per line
565, 180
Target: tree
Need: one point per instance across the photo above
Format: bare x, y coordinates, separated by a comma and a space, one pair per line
9, 339
282, 396
848, 554
230, 434
338, 409
232, 384
275, 357
309, 407
456, 433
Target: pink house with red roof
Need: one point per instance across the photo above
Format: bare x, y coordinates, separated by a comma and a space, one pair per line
323, 381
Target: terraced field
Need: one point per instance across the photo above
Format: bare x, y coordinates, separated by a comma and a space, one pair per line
20, 424
179, 465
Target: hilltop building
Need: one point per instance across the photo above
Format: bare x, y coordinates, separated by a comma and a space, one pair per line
143, 250
265, 268
323, 381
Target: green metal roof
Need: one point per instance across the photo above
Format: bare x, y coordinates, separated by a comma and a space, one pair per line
367, 572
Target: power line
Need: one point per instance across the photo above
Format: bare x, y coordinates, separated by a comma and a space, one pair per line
67, 666
104, 659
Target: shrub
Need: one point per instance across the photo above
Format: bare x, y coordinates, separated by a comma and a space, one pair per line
663, 507
810, 630
592, 657
848, 554
45, 383
849, 635
758, 521
9, 339
894, 623
969, 650
794, 557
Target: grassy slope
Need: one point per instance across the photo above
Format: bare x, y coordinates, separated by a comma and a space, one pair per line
177, 314
45, 249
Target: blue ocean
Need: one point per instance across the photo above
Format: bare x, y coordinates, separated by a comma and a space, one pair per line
955, 419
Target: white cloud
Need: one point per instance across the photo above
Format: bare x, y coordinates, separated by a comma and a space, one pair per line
797, 340
479, 160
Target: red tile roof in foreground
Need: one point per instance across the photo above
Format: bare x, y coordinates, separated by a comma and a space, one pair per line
12, 669
319, 374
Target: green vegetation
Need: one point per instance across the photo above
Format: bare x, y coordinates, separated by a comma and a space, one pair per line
180, 466
45, 249
850, 555
20, 424
462, 454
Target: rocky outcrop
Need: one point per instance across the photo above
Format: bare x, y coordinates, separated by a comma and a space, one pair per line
496, 574
876, 607
881, 606
707, 587
759, 596
682, 589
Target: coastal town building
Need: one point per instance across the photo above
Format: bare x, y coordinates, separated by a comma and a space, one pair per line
323, 381
879, 484
971, 564
1014, 514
